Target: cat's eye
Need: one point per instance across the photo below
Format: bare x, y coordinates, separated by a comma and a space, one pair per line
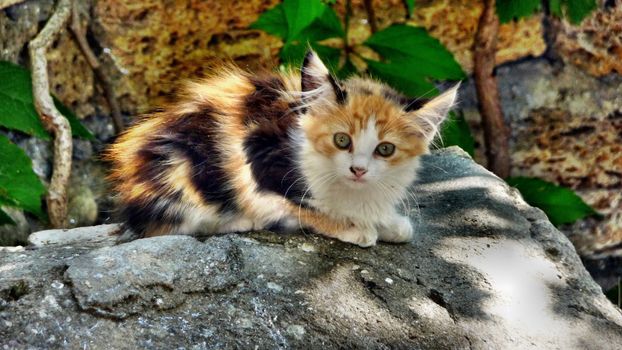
385, 149
342, 141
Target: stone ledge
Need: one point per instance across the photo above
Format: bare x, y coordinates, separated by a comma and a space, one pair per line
485, 271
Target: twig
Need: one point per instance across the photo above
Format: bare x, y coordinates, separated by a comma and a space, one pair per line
496, 133
52, 120
371, 16
80, 36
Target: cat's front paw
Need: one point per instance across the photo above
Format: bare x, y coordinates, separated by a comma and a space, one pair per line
361, 237
398, 231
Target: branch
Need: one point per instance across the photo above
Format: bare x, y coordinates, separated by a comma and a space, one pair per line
52, 120
371, 16
80, 36
496, 133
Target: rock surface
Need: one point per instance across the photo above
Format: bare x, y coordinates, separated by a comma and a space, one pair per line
595, 45
485, 271
567, 129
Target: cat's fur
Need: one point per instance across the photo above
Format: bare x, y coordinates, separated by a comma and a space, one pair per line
241, 152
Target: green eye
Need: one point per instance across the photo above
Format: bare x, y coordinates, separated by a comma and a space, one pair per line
342, 141
385, 149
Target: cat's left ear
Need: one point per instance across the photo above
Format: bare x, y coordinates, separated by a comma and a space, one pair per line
432, 114
317, 83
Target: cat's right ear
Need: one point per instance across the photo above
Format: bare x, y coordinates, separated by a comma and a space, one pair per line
432, 114
317, 83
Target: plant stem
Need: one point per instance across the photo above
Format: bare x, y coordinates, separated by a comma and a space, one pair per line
52, 120
408, 14
496, 133
371, 16
102, 78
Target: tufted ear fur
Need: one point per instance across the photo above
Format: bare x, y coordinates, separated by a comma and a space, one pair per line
317, 83
432, 114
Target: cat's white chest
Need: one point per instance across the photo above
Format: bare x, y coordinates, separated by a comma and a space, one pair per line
364, 208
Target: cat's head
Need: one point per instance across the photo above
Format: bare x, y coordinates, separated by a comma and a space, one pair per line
362, 133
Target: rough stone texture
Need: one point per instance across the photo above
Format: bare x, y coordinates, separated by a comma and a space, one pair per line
70, 76
113, 281
485, 271
596, 44
454, 23
567, 128
148, 47
13, 235
154, 50
155, 45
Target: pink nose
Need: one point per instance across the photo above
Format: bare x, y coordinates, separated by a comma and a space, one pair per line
358, 171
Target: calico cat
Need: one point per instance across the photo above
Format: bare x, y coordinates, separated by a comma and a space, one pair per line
242, 152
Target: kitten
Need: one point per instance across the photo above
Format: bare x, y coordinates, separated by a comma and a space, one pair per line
241, 152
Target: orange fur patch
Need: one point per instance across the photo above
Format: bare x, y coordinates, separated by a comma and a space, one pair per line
393, 125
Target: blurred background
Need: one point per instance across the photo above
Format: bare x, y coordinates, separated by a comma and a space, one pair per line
557, 66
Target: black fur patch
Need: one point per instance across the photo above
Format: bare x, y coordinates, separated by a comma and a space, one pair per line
154, 156
263, 104
193, 136
273, 165
269, 148
409, 104
196, 137
140, 215
340, 93
309, 82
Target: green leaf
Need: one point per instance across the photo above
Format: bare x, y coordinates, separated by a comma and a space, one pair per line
574, 10
326, 26
410, 6
577, 10
300, 14
347, 70
5, 218
272, 22
509, 10
455, 132
19, 185
561, 205
405, 78
293, 53
77, 129
17, 110
414, 49
555, 6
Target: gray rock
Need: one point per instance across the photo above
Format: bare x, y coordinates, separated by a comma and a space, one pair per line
11, 235
81, 207
485, 271
96, 236
136, 277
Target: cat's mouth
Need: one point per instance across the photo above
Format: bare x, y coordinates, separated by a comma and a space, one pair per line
356, 179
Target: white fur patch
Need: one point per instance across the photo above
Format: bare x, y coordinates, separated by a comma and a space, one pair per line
366, 204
